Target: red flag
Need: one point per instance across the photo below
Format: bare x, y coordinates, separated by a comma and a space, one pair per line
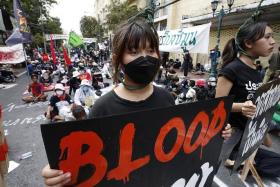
52, 50
66, 57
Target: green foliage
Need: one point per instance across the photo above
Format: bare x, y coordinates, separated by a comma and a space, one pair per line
91, 28
52, 26
119, 12
34, 9
38, 39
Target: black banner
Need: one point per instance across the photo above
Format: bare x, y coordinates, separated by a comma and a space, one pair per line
156, 148
266, 99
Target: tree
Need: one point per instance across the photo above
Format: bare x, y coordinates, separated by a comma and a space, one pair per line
91, 28
52, 25
34, 10
119, 12
38, 39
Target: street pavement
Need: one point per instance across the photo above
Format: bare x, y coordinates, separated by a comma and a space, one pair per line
22, 123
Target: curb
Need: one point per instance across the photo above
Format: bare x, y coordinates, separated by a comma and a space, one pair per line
20, 74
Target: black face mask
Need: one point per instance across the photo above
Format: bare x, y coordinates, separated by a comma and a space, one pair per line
142, 70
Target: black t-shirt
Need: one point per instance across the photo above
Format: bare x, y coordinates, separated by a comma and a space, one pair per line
246, 81
112, 104
57, 102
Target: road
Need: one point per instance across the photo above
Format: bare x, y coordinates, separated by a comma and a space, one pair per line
22, 122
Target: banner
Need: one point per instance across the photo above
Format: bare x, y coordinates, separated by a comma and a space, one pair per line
75, 40
22, 34
195, 39
5, 21
267, 97
160, 147
12, 55
56, 37
53, 51
66, 56
65, 37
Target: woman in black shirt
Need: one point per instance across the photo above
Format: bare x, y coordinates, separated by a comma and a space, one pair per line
240, 78
136, 53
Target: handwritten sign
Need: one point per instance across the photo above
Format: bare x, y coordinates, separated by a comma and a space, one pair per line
161, 147
267, 97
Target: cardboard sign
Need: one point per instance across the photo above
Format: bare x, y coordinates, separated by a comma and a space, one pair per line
155, 148
266, 99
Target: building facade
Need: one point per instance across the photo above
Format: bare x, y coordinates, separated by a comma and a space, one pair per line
188, 13
100, 9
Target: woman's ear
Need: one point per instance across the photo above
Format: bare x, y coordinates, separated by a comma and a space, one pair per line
248, 44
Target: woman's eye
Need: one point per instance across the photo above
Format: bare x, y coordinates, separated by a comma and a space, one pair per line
151, 51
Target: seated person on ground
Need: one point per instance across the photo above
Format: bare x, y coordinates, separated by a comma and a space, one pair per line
46, 79
36, 90
84, 96
58, 102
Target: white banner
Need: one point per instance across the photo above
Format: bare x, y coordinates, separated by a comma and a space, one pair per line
65, 37
195, 39
12, 55
56, 37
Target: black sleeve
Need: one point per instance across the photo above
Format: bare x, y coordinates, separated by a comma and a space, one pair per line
228, 72
52, 101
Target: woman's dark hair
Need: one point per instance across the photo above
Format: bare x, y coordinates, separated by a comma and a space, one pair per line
247, 33
129, 36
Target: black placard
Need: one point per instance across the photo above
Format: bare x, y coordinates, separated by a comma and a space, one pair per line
266, 99
156, 148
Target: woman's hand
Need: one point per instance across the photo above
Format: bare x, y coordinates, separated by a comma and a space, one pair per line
226, 133
248, 109
55, 178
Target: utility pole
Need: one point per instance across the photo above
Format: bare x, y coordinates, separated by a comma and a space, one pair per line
43, 30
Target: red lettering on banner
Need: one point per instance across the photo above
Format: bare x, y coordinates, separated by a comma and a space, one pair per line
71, 147
75, 159
179, 125
126, 165
203, 119
219, 115
6, 56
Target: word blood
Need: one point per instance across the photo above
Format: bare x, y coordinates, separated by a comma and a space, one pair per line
71, 145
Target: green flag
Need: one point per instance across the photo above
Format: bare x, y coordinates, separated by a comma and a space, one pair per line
75, 40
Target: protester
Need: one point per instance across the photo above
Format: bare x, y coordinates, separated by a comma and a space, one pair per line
84, 96
59, 100
36, 90
186, 63
64, 80
74, 82
135, 45
46, 79
239, 77
274, 65
29, 67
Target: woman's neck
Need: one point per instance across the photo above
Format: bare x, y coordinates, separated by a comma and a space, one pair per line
134, 95
248, 61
